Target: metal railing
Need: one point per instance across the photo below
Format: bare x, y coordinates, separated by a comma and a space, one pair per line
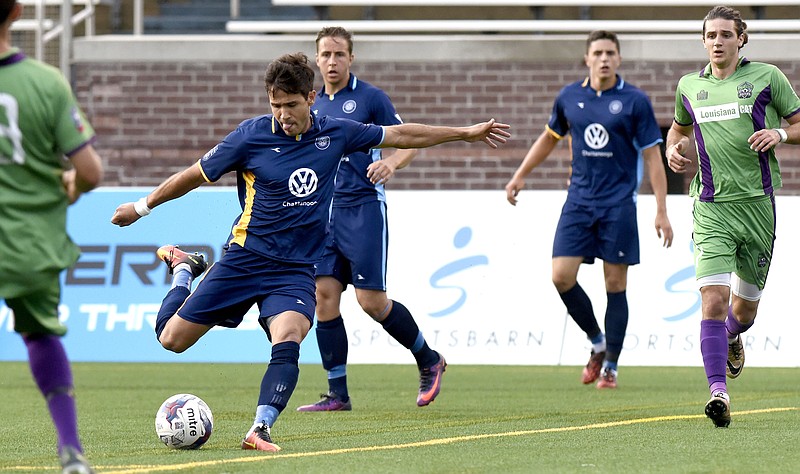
46, 30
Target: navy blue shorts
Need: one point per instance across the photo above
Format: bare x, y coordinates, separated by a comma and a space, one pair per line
608, 233
357, 246
241, 279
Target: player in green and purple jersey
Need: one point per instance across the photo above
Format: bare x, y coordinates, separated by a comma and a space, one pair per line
40, 122
734, 108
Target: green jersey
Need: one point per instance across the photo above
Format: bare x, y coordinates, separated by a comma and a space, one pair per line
724, 114
40, 123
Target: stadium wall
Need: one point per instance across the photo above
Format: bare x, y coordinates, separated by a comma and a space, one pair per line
472, 269
160, 102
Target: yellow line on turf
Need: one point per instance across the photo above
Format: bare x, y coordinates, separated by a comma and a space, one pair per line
417, 444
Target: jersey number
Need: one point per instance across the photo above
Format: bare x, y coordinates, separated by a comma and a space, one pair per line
10, 135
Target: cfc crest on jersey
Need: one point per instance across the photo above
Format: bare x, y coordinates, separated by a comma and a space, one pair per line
323, 142
349, 106
745, 90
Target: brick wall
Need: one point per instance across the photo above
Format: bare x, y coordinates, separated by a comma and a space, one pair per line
156, 118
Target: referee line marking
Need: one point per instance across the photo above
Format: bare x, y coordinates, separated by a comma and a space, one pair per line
139, 469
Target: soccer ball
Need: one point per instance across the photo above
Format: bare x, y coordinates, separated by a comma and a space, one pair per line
184, 421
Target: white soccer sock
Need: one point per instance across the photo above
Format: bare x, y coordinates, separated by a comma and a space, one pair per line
182, 276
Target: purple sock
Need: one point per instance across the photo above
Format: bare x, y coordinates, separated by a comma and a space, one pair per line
51, 371
733, 326
714, 347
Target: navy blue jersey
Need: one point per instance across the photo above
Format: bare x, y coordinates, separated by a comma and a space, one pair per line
286, 183
609, 129
365, 103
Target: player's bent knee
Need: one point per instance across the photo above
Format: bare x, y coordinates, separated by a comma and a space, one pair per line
174, 341
562, 286
375, 303
172, 345
289, 326
376, 312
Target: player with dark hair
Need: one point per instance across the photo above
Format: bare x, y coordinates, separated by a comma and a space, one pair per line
734, 108
285, 163
358, 240
612, 127
40, 122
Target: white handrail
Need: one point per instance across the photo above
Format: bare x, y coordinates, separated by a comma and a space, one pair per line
56, 30
46, 30
53, 3
504, 26
32, 25
138, 17
66, 37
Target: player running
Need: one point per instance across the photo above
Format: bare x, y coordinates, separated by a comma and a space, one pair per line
737, 176
40, 123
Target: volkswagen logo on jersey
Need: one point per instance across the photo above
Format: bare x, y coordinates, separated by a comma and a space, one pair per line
615, 107
595, 136
303, 182
349, 106
323, 142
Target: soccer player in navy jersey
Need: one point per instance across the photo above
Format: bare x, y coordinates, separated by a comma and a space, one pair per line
285, 163
357, 247
40, 125
612, 125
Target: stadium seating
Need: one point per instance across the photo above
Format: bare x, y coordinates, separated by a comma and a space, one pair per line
536, 23
298, 16
210, 16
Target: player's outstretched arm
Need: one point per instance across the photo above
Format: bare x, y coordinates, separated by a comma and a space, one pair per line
538, 152
172, 188
415, 135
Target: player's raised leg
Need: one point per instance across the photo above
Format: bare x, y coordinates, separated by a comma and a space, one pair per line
734, 330
176, 334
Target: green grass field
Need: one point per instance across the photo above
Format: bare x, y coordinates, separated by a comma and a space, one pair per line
486, 419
